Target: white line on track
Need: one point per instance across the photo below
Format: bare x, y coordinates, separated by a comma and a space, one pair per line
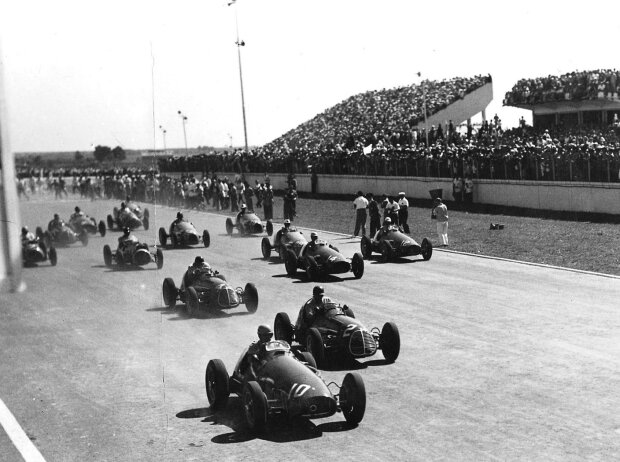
18, 436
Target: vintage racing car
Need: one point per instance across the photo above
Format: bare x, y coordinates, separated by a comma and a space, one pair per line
395, 244
286, 383
131, 216
183, 234
208, 288
35, 251
321, 259
136, 254
282, 242
248, 223
81, 223
337, 333
62, 235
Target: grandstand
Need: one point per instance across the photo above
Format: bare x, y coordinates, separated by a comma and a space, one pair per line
575, 99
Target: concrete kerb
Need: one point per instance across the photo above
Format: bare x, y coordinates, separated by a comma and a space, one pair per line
489, 257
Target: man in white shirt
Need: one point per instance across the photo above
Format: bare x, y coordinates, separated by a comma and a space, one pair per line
360, 204
403, 212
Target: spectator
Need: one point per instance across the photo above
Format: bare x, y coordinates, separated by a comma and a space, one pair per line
268, 202
457, 188
440, 213
360, 204
373, 212
403, 212
469, 190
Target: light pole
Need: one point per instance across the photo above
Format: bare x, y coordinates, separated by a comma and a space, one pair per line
425, 119
241, 43
183, 121
163, 134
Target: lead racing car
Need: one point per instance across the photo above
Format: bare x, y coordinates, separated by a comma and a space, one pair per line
203, 287
132, 253
393, 243
83, 223
35, 251
319, 259
288, 238
248, 223
129, 215
61, 234
284, 383
335, 334
183, 233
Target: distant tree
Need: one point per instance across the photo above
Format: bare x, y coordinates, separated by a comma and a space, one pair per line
103, 153
119, 153
79, 156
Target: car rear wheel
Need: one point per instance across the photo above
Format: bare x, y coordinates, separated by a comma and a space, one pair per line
427, 249
352, 398
101, 228
265, 247
389, 341
145, 222
107, 255
250, 297
217, 384
290, 263
348, 311
84, 237
163, 236
314, 344
307, 357
269, 227
206, 238
159, 258
386, 252
282, 328
254, 406
229, 226
192, 303
169, 291
312, 269
357, 265
366, 247
120, 260
53, 256
110, 222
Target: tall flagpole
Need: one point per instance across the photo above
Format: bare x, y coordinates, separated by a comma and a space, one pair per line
241, 43
153, 94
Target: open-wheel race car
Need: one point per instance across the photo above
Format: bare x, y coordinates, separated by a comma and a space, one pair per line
134, 253
183, 233
203, 287
81, 223
248, 223
336, 334
320, 259
292, 240
286, 383
394, 244
61, 235
131, 216
35, 251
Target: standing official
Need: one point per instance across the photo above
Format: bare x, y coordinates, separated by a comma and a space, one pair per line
440, 213
403, 211
360, 204
374, 214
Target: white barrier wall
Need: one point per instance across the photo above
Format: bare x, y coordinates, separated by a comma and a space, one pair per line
558, 196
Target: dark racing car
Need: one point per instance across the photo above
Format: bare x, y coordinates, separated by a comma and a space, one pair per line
183, 233
248, 223
319, 259
393, 244
84, 223
35, 251
61, 234
134, 253
283, 385
203, 287
129, 216
336, 334
292, 239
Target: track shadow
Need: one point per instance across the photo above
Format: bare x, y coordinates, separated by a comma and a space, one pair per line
399, 260
273, 260
204, 313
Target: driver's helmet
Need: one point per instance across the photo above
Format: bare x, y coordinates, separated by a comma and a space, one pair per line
179, 216
388, 221
264, 333
24, 230
199, 262
314, 236
287, 223
56, 217
77, 210
123, 205
317, 293
126, 231
243, 207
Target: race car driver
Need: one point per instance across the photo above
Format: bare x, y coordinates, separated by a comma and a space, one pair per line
198, 267
285, 229
178, 220
27, 236
78, 213
241, 211
255, 356
126, 240
310, 310
387, 224
55, 225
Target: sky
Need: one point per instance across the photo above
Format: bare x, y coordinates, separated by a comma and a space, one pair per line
79, 73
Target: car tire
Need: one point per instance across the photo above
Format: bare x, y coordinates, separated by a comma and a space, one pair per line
101, 228
159, 258
84, 237
282, 328
53, 256
357, 265
348, 311
312, 269
145, 223
307, 357
147, 214
389, 342
265, 247
314, 344
427, 249
229, 226
192, 303
254, 406
269, 227
352, 398
169, 292
386, 252
366, 247
290, 263
110, 222
217, 384
206, 238
120, 260
39, 232
250, 297
107, 255
163, 237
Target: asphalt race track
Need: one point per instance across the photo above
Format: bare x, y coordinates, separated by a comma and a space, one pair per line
499, 360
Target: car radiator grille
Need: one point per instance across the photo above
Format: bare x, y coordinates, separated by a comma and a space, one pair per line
227, 297
362, 343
